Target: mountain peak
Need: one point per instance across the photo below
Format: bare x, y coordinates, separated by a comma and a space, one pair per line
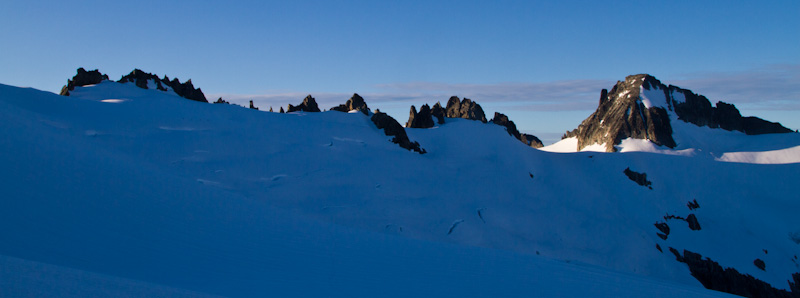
641, 107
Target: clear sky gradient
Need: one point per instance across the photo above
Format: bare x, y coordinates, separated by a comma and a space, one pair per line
541, 62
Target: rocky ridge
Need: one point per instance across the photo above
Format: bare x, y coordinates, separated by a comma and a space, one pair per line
511, 128
393, 128
466, 109
141, 79
641, 108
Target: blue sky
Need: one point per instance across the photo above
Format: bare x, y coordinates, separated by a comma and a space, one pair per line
541, 62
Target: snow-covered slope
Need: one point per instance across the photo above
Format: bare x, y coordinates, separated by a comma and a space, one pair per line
143, 185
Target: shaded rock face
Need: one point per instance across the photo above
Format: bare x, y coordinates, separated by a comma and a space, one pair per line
502, 120
355, 103
466, 109
439, 112
252, 106
729, 280
423, 119
531, 140
309, 104
622, 114
640, 108
393, 128
143, 80
83, 78
511, 128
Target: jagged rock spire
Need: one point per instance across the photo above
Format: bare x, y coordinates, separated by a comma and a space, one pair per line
423, 119
309, 104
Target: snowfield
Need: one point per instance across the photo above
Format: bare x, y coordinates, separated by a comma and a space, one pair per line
121, 191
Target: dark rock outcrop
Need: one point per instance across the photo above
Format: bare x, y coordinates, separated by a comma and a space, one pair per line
693, 224
142, 80
309, 104
393, 128
760, 264
222, 101
663, 227
355, 103
466, 109
693, 204
729, 280
502, 120
423, 119
639, 108
639, 178
252, 106
83, 78
511, 128
438, 112
531, 140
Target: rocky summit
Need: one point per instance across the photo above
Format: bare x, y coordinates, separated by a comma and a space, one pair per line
423, 119
641, 107
309, 104
83, 78
466, 109
355, 103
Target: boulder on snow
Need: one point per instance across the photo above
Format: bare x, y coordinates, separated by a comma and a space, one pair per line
252, 106
83, 78
393, 128
309, 104
760, 264
355, 103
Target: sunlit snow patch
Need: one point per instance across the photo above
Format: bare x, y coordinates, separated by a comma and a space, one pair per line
782, 156
639, 145
114, 100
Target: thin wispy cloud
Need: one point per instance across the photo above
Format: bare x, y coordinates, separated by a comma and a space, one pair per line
774, 87
756, 92
550, 96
